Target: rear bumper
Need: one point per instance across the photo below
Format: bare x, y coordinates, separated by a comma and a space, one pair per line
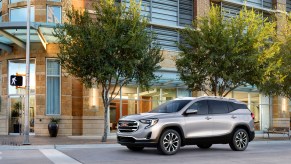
131, 141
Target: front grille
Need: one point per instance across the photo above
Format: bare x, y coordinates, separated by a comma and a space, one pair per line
127, 126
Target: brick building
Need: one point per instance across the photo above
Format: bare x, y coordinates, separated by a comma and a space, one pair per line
54, 93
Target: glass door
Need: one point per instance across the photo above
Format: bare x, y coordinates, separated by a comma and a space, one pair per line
16, 114
16, 105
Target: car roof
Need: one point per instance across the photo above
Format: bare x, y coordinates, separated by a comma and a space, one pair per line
210, 97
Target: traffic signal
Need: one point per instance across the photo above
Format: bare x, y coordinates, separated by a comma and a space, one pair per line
16, 80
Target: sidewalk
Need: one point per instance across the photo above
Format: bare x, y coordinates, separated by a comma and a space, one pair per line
17, 140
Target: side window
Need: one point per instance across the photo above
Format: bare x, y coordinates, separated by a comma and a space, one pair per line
217, 107
201, 106
240, 106
230, 106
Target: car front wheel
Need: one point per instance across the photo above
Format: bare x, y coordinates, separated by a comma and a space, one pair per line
169, 142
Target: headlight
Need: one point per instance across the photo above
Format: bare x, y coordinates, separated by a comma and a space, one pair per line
150, 122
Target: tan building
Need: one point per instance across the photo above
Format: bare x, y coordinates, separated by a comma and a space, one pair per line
54, 93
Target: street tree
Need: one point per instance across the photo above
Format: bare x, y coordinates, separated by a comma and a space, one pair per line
109, 49
220, 54
276, 79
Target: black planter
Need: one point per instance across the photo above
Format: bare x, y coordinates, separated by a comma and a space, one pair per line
53, 129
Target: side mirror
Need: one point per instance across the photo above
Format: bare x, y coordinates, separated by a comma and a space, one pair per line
191, 111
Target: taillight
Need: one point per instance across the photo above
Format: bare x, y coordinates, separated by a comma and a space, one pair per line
253, 115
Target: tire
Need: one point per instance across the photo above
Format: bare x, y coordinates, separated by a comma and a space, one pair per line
135, 148
239, 140
204, 146
169, 142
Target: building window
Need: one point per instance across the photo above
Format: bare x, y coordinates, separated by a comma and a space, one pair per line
15, 1
18, 66
166, 37
20, 14
0, 10
53, 100
288, 6
54, 14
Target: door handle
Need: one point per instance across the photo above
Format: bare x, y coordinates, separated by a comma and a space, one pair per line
233, 117
207, 118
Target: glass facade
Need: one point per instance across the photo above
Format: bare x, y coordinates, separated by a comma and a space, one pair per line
53, 85
268, 4
165, 17
54, 14
20, 14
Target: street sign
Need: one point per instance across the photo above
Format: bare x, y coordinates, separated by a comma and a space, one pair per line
16, 80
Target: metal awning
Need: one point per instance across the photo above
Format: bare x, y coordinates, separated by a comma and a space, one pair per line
15, 33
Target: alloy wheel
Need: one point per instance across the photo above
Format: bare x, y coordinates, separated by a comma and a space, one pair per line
171, 142
241, 140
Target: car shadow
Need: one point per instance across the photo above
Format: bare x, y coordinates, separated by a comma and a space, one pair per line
183, 150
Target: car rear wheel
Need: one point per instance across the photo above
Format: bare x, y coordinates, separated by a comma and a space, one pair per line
170, 142
204, 146
239, 140
135, 148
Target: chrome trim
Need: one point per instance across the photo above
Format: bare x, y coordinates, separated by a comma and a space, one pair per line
134, 137
132, 129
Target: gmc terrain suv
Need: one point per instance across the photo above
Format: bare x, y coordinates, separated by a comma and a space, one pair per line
201, 121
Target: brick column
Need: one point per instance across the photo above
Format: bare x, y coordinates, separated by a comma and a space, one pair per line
280, 7
201, 7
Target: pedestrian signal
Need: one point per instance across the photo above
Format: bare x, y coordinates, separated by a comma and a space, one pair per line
16, 80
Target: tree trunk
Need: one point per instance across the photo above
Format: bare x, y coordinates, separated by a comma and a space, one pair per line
104, 137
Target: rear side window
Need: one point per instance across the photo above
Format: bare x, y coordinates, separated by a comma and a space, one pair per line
234, 106
217, 107
240, 106
201, 106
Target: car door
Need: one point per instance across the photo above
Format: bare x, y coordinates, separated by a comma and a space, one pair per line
222, 121
198, 124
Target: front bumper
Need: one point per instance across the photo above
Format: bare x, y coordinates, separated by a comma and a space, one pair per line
132, 141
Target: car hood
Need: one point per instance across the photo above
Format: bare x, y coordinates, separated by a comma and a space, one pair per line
146, 116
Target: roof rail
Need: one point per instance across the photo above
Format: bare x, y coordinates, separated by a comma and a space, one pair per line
218, 97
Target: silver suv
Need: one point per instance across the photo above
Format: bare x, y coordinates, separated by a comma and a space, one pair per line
201, 121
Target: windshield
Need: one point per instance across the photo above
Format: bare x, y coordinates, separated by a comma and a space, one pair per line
170, 106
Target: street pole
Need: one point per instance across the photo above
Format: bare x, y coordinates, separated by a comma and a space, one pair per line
26, 110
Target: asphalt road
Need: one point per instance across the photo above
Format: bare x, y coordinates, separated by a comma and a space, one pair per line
258, 152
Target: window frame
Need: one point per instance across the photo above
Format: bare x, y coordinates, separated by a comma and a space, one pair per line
46, 86
61, 17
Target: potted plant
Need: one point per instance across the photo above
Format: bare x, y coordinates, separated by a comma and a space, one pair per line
53, 126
